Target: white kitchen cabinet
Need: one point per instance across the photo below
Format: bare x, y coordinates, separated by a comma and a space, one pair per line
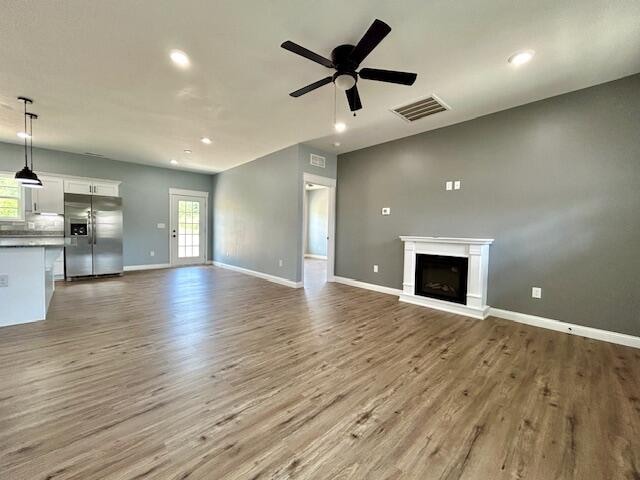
105, 189
49, 198
78, 186
91, 187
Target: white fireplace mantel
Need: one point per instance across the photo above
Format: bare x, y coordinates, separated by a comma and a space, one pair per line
476, 250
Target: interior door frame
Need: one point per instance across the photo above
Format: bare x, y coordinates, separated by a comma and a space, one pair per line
330, 183
181, 192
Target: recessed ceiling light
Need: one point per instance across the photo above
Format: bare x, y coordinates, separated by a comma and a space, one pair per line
179, 58
206, 140
23, 135
173, 161
187, 152
336, 144
340, 127
520, 58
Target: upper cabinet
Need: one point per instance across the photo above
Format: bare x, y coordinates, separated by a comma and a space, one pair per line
49, 198
91, 187
78, 186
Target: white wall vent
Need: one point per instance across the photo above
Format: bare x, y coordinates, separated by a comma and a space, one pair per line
421, 108
317, 160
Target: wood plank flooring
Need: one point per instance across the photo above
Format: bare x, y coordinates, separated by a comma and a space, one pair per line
204, 373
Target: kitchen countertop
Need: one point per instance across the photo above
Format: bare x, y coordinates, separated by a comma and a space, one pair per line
34, 242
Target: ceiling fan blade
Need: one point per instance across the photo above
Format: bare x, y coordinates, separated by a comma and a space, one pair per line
295, 48
311, 87
377, 31
391, 76
354, 98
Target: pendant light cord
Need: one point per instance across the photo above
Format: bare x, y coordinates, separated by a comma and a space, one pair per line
335, 118
26, 157
31, 138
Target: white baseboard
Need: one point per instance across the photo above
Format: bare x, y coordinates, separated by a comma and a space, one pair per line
548, 323
155, 266
312, 255
265, 276
368, 286
570, 328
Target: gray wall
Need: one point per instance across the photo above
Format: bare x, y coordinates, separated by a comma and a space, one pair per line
144, 191
556, 183
256, 214
258, 210
317, 221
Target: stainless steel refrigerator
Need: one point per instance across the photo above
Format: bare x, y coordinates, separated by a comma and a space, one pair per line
94, 224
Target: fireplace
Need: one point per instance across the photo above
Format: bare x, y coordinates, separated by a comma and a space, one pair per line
447, 274
442, 277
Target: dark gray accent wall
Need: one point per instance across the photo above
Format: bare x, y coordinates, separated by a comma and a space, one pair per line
144, 191
555, 182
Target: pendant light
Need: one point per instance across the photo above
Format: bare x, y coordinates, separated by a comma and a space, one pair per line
26, 176
38, 183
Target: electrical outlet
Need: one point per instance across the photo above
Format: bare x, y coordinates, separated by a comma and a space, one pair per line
4, 281
456, 185
386, 210
449, 185
375, 269
536, 292
31, 226
280, 263
152, 253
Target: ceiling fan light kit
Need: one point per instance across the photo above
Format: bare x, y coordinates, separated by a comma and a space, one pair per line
346, 60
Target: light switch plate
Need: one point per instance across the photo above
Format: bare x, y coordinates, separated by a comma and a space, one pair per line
536, 292
449, 185
152, 253
456, 185
375, 269
161, 225
4, 281
280, 263
386, 210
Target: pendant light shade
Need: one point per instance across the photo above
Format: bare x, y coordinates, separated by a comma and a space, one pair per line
27, 176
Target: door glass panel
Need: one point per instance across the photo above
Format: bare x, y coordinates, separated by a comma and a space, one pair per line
188, 229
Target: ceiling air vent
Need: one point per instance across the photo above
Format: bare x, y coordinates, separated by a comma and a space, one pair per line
317, 160
421, 108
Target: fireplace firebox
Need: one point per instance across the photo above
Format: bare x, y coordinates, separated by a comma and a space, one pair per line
442, 277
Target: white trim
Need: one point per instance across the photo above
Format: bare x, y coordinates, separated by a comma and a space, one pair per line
464, 241
205, 198
368, 286
318, 180
154, 266
479, 313
313, 255
570, 328
265, 276
188, 193
330, 183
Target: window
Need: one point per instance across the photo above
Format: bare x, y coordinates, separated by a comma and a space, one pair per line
188, 229
11, 200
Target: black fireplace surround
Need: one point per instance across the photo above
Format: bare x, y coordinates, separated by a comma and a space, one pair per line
442, 277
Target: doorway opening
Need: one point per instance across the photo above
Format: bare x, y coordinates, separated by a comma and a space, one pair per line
318, 228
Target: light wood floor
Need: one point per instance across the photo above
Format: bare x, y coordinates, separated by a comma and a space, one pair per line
203, 373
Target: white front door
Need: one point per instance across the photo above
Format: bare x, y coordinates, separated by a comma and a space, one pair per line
188, 230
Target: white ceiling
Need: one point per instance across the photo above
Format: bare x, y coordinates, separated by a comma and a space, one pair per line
102, 81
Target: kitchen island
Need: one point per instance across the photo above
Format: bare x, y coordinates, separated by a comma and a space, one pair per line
26, 277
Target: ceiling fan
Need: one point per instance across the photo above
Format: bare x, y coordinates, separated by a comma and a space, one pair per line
346, 59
